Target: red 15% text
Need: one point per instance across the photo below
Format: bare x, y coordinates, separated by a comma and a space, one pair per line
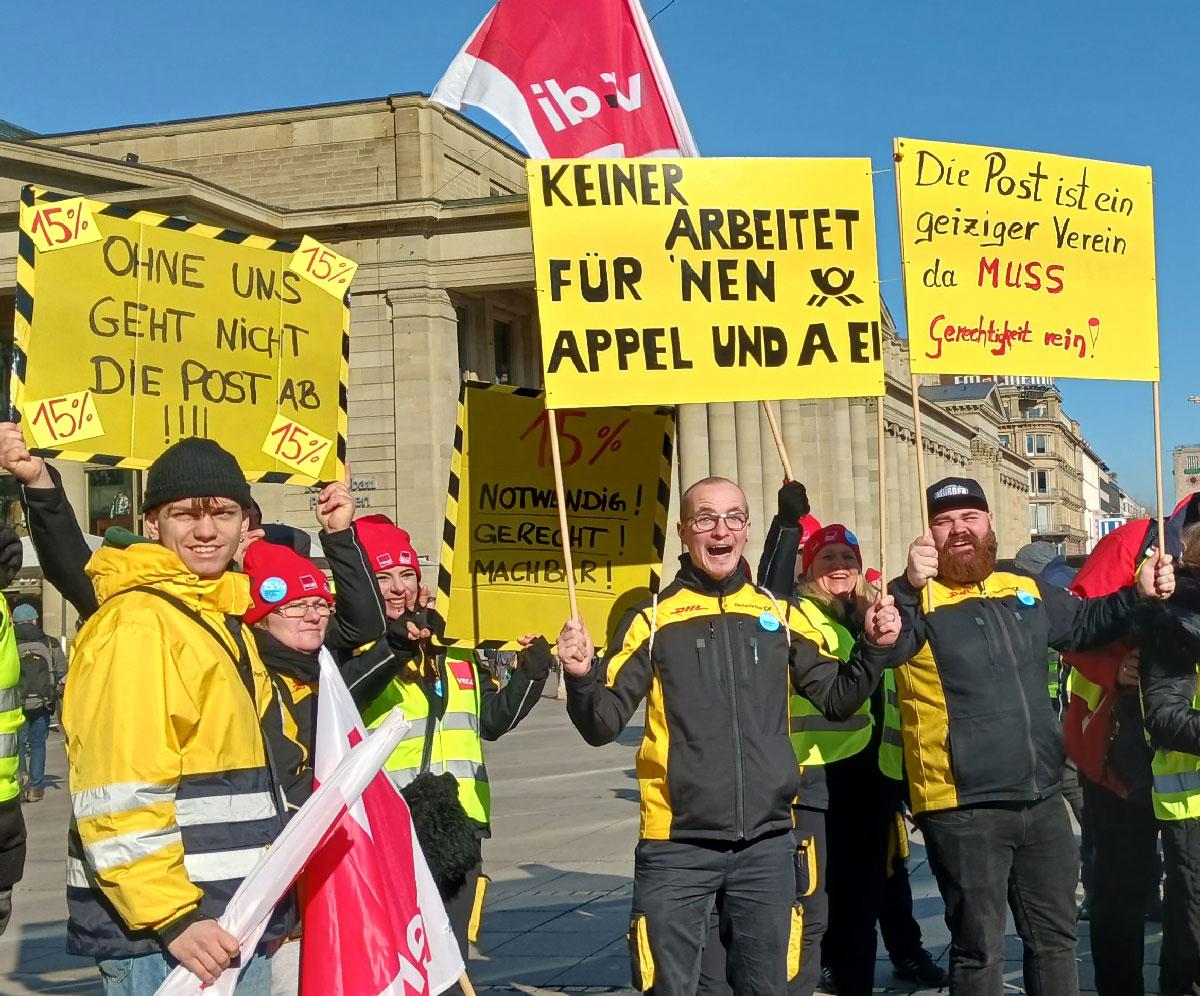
55, 226
293, 444
607, 438
58, 420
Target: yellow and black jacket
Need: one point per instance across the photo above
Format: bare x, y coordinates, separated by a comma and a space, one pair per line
172, 793
716, 664
971, 681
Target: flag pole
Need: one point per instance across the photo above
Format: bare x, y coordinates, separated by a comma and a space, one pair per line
779, 445
465, 984
1158, 470
560, 491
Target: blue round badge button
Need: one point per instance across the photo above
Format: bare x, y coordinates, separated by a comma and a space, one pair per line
851, 538
1025, 598
769, 621
273, 590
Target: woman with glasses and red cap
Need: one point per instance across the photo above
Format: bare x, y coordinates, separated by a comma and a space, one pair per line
452, 703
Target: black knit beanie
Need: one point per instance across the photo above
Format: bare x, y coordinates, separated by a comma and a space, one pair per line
195, 468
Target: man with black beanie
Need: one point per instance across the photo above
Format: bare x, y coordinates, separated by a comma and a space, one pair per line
173, 796
982, 747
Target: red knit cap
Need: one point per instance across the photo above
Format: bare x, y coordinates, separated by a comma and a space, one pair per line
386, 544
278, 575
826, 536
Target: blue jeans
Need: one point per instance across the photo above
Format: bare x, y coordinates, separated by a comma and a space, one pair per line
142, 975
32, 736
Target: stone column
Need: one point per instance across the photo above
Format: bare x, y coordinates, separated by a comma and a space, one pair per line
863, 504
750, 471
425, 364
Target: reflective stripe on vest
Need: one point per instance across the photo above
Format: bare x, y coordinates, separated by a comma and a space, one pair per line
12, 716
1054, 675
456, 748
1176, 786
891, 741
1089, 691
815, 739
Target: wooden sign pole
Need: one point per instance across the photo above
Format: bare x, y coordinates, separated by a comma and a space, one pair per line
568, 566
779, 445
881, 459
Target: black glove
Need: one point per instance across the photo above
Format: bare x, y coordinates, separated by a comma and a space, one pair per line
535, 660
793, 503
421, 618
10, 555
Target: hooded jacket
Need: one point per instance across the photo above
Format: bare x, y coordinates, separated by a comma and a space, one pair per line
172, 794
716, 663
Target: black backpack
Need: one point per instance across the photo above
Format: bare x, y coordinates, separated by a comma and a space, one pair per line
37, 675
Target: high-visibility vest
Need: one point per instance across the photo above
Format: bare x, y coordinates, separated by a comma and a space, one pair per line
457, 746
1054, 668
12, 716
891, 742
1176, 787
815, 739
1088, 690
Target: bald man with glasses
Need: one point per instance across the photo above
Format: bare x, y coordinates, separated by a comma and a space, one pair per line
715, 658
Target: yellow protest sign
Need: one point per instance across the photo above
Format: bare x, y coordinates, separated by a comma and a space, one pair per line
502, 571
144, 329
1026, 263
692, 280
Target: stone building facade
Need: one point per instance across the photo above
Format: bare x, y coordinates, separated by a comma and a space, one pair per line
432, 207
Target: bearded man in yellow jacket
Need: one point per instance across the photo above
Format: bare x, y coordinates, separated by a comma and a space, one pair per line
172, 792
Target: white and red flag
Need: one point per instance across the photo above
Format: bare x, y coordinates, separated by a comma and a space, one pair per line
374, 924
571, 78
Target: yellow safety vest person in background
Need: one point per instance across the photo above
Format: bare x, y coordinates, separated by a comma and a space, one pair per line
12, 823
452, 703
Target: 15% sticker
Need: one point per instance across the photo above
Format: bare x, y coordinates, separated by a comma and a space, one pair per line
65, 419
60, 225
297, 447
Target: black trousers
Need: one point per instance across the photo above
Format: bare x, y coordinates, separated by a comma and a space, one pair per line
1124, 838
1019, 855
856, 878
751, 884
809, 836
900, 930
459, 907
1179, 966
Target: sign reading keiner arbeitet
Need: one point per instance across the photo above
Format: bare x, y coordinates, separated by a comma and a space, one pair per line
702, 280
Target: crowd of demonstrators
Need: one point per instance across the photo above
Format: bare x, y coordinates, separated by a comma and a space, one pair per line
713, 656
453, 704
789, 726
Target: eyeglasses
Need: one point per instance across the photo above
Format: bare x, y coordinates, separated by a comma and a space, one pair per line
298, 610
706, 522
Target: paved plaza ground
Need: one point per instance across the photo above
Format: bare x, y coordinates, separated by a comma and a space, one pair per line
566, 820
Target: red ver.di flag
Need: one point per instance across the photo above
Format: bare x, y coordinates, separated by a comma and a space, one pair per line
374, 923
571, 78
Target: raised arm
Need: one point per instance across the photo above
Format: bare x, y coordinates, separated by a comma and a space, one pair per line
600, 701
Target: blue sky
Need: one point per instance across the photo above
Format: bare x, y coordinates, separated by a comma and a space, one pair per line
1100, 79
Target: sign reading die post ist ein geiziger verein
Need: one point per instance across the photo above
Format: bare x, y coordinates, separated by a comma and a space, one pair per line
668, 281
1026, 263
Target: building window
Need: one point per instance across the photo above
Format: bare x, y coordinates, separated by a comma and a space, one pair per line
1006, 440
1037, 411
502, 341
111, 496
1035, 444
1039, 518
1039, 482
